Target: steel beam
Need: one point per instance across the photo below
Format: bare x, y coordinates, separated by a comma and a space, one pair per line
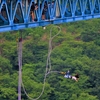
17, 14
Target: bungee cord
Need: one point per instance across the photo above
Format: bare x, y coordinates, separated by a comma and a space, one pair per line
48, 63
50, 44
52, 72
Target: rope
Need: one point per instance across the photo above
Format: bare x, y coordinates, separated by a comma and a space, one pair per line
52, 72
48, 64
20, 67
50, 44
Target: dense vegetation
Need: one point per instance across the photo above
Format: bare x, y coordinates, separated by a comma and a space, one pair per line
76, 48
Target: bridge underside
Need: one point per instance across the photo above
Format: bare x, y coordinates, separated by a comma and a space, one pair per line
19, 14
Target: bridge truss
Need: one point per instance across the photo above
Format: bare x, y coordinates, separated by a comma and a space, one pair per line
19, 14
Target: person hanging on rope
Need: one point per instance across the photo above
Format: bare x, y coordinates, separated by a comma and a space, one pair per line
20, 39
67, 75
75, 77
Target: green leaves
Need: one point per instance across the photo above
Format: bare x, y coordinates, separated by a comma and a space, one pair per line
5, 66
77, 49
8, 93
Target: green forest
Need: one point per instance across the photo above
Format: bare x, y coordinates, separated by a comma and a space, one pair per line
76, 48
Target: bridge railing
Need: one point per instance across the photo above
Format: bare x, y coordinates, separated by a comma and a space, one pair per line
14, 12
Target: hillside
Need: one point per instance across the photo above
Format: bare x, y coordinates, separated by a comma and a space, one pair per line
76, 48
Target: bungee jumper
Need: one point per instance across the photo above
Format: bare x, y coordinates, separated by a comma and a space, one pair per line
76, 77
67, 75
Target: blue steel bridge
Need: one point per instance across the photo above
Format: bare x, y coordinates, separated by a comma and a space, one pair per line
20, 14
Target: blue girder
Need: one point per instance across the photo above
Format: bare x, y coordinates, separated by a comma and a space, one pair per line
18, 14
